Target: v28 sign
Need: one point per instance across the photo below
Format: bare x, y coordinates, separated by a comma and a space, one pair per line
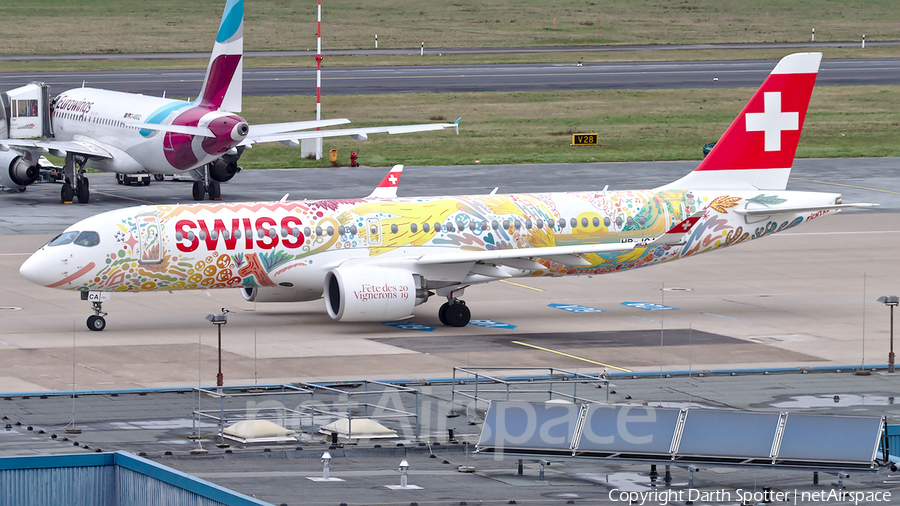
584, 139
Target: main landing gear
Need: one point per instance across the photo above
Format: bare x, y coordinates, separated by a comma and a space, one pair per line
76, 186
454, 313
96, 321
204, 184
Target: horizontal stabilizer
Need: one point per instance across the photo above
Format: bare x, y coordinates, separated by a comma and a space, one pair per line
675, 235
768, 211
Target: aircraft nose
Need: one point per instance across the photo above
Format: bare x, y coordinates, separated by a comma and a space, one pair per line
35, 269
51, 270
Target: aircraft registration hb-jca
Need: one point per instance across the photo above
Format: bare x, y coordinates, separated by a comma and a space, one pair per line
375, 259
132, 133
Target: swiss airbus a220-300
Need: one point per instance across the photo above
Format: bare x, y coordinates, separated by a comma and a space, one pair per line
130, 133
375, 259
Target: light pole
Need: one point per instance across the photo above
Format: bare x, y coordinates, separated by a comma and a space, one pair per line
219, 319
890, 301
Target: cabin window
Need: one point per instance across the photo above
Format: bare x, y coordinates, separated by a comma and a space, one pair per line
307, 232
606, 221
394, 228
630, 221
642, 220
437, 227
330, 230
449, 227
272, 233
619, 221
562, 223
495, 225
413, 228
584, 222
472, 226
528, 223
63, 238
596, 221
261, 233
237, 233
342, 230
319, 231
484, 225
353, 230
573, 222
540, 223
214, 235
203, 235
425, 227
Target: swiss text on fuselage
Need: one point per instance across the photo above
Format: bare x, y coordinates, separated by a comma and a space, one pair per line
218, 230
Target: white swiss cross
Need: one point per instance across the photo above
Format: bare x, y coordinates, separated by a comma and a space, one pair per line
772, 120
392, 178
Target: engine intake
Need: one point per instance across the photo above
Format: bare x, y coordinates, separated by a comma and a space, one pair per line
15, 172
367, 294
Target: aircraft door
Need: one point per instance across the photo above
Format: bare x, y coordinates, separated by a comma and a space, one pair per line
149, 239
29, 111
373, 231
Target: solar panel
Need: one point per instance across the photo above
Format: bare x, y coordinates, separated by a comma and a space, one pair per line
728, 434
529, 426
628, 429
830, 438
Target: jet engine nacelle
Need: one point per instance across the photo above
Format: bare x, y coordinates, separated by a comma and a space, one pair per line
15, 172
372, 294
223, 170
277, 294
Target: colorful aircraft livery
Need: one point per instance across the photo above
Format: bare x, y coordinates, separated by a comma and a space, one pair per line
376, 258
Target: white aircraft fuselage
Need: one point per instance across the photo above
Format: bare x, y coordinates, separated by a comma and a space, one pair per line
109, 117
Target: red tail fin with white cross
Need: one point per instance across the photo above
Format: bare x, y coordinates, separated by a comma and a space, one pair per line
758, 149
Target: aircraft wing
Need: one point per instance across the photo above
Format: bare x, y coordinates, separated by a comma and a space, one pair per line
563, 254
259, 132
360, 134
58, 148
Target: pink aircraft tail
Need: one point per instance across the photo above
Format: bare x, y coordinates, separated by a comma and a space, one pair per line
223, 85
758, 149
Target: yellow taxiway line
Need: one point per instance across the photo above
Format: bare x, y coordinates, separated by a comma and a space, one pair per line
570, 356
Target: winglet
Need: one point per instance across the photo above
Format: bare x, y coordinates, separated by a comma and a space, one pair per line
387, 188
456, 124
675, 234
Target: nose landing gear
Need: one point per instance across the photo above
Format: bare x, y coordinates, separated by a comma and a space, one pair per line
96, 321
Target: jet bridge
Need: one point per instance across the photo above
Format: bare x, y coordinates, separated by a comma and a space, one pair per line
682, 436
26, 112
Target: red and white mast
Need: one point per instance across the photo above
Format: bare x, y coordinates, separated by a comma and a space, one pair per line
319, 78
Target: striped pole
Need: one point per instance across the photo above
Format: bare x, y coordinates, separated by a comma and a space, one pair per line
319, 78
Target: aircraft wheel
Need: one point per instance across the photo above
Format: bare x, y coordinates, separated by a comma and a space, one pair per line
215, 190
84, 191
66, 194
197, 191
458, 315
159, 177
146, 181
442, 313
96, 323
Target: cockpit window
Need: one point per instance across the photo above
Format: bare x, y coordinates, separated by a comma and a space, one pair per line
88, 239
63, 238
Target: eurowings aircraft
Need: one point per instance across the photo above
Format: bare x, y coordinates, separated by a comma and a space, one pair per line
131, 133
375, 259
